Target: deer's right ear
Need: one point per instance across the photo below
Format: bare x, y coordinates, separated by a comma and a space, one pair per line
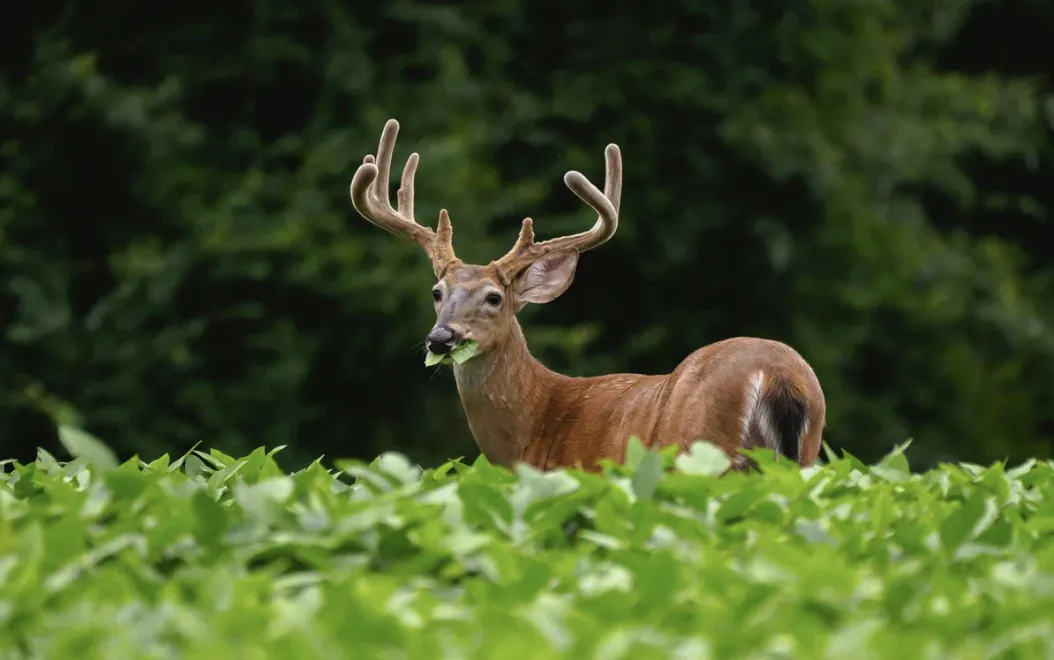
546, 279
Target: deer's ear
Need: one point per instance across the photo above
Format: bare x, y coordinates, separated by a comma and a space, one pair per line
547, 278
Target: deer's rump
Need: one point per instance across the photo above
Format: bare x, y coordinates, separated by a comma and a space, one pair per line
744, 393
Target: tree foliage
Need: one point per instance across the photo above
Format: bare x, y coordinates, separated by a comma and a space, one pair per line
864, 180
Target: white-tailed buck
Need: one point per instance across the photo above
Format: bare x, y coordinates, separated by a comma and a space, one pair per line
738, 393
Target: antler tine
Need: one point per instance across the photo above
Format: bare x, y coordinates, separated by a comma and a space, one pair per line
606, 204
613, 177
369, 196
405, 195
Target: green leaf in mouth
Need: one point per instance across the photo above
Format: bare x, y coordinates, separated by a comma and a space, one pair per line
464, 352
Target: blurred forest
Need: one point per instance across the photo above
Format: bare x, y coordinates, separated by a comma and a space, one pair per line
866, 180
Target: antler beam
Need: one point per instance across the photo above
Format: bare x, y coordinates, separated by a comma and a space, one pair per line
369, 196
606, 204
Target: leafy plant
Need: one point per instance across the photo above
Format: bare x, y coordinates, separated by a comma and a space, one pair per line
211, 556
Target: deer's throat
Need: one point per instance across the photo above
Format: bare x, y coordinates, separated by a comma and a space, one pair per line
499, 392
504, 378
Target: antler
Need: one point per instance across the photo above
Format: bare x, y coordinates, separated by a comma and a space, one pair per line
369, 196
606, 204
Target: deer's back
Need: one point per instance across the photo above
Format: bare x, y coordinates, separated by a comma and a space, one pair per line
705, 398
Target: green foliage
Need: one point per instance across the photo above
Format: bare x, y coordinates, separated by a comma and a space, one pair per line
867, 181
213, 556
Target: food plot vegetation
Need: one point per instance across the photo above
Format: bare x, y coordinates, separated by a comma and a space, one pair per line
211, 556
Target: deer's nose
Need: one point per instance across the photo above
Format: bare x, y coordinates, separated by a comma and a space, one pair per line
442, 340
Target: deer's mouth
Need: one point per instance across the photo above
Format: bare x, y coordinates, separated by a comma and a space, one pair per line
460, 354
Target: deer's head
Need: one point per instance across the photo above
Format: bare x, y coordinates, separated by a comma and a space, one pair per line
474, 302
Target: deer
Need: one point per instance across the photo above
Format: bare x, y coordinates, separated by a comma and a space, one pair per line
737, 393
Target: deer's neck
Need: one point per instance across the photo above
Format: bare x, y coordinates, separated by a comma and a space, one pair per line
503, 392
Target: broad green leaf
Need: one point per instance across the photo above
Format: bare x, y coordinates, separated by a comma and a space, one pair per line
396, 466
210, 519
160, 463
634, 452
647, 476
537, 487
739, 503
219, 477
264, 500
704, 459
80, 443
972, 517
1021, 470
894, 466
46, 462
195, 467
178, 463
464, 352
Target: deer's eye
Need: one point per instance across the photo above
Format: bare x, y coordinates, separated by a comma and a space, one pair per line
437, 295
493, 299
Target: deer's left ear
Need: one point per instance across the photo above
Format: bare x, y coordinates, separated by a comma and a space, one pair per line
546, 279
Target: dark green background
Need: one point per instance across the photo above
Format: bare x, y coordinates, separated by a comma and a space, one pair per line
869, 181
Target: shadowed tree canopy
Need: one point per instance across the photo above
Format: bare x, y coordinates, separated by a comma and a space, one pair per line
866, 181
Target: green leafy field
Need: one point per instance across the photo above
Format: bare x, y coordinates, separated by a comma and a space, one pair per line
209, 556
